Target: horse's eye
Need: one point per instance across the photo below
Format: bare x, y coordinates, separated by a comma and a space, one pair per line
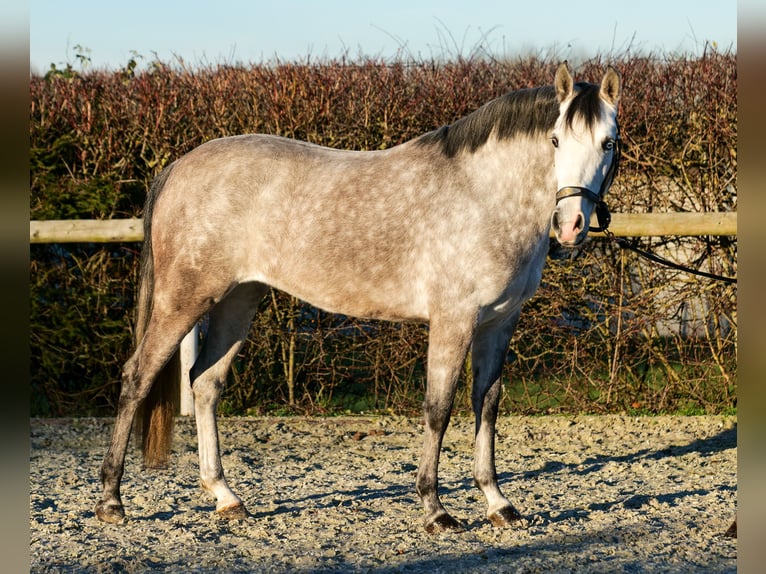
608, 144
555, 141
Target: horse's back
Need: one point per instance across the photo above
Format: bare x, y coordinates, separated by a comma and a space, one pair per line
384, 234
325, 225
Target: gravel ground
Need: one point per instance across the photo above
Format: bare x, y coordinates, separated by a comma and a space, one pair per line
599, 494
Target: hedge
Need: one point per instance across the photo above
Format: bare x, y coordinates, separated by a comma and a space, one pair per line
606, 332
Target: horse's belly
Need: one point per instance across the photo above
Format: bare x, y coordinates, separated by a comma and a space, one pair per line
364, 307
355, 296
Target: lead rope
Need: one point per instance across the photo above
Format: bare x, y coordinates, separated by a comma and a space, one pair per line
661, 260
604, 217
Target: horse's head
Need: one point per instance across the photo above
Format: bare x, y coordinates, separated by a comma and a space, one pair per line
586, 140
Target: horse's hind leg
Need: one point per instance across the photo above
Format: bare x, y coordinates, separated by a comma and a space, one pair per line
229, 323
490, 346
161, 339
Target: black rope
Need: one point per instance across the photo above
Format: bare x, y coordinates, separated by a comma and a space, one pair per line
662, 261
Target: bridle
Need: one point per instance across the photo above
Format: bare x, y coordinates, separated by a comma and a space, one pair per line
605, 218
602, 211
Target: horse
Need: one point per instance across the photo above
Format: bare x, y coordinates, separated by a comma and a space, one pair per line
449, 228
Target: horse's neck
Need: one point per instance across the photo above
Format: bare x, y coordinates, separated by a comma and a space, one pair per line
518, 181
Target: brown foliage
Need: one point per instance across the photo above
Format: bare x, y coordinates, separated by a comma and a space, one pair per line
606, 332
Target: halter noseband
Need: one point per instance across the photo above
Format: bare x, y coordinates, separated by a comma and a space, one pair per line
602, 211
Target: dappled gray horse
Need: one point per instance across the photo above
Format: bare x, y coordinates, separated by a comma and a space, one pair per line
450, 228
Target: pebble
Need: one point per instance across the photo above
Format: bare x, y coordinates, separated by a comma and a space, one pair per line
598, 494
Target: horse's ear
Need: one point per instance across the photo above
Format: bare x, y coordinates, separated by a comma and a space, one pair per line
610, 86
563, 82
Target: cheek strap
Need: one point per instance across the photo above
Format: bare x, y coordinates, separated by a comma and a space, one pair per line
573, 191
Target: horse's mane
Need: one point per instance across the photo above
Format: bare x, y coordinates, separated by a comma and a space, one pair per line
522, 112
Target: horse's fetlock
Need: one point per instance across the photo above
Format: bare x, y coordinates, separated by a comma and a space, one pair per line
425, 487
484, 481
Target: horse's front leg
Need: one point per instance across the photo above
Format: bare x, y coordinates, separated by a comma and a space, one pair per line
488, 352
447, 347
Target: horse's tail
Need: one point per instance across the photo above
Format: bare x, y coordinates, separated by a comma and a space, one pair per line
156, 416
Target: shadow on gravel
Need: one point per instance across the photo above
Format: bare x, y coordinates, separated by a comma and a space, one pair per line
573, 553
334, 498
339, 498
722, 441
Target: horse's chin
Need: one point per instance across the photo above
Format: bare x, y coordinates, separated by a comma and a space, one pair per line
572, 243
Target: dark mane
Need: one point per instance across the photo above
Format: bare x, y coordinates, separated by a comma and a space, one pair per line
523, 112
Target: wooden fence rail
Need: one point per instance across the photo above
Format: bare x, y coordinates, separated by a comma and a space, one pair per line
623, 225
129, 230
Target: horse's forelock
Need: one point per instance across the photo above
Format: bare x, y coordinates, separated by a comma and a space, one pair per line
585, 105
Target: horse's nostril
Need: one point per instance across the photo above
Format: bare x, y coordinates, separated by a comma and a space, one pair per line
580, 222
555, 220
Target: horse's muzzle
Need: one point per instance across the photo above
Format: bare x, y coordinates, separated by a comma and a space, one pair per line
603, 215
568, 230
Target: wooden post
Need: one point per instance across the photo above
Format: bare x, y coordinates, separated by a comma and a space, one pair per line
188, 350
623, 225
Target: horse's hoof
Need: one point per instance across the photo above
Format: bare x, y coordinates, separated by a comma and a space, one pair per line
443, 523
234, 512
111, 513
505, 517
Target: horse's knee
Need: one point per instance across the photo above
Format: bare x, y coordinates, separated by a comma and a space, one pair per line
436, 414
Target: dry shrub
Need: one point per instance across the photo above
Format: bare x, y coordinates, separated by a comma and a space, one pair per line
606, 331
